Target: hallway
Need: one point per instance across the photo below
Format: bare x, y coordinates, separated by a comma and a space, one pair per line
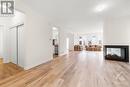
77, 69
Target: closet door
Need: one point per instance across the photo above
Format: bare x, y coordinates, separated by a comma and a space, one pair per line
1, 41
13, 45
21, 45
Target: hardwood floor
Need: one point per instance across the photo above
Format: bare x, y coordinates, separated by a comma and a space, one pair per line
1, 60
8, 69
78, 69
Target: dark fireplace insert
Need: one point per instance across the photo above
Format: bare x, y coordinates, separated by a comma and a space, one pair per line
117, 52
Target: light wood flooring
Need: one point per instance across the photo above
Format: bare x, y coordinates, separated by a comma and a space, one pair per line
8, 69
78, 69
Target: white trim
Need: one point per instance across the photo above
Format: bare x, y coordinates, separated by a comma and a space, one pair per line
6, 60
62, 54
29, 67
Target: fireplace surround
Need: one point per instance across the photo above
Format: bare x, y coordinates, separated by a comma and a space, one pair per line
116, 52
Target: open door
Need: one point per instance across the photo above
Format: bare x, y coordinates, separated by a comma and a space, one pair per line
55, 38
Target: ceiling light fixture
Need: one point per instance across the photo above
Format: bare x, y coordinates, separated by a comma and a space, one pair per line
54, 28
101, 7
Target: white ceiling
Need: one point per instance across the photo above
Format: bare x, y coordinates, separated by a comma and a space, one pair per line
80, 15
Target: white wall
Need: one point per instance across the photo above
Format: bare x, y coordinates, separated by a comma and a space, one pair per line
1, 40
71, 41
38, 41
17, 19
76, 39
63, 35
38, 36
117, 31
5, 23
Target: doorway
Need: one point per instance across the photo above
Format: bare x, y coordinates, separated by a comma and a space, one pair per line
16, 45
67, 44
55, 40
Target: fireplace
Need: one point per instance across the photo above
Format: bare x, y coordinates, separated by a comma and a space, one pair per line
116, 52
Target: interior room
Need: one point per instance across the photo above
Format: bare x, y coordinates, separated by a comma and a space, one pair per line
88, 42
64, 43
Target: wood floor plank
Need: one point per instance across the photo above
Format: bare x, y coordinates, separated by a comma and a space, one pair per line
77, 69
9, 69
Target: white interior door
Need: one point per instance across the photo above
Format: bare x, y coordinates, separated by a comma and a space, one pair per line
21, 46
1, 41
13, 45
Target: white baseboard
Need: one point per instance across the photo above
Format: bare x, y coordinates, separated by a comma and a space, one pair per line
35, 65
62, 54
6, 61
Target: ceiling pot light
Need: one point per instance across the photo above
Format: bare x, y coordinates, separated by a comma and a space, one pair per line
54, 28
101, 7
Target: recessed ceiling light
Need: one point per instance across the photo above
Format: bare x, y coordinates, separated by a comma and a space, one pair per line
54, 28
101, 7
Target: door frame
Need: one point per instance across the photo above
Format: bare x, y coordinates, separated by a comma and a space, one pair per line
17, 48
